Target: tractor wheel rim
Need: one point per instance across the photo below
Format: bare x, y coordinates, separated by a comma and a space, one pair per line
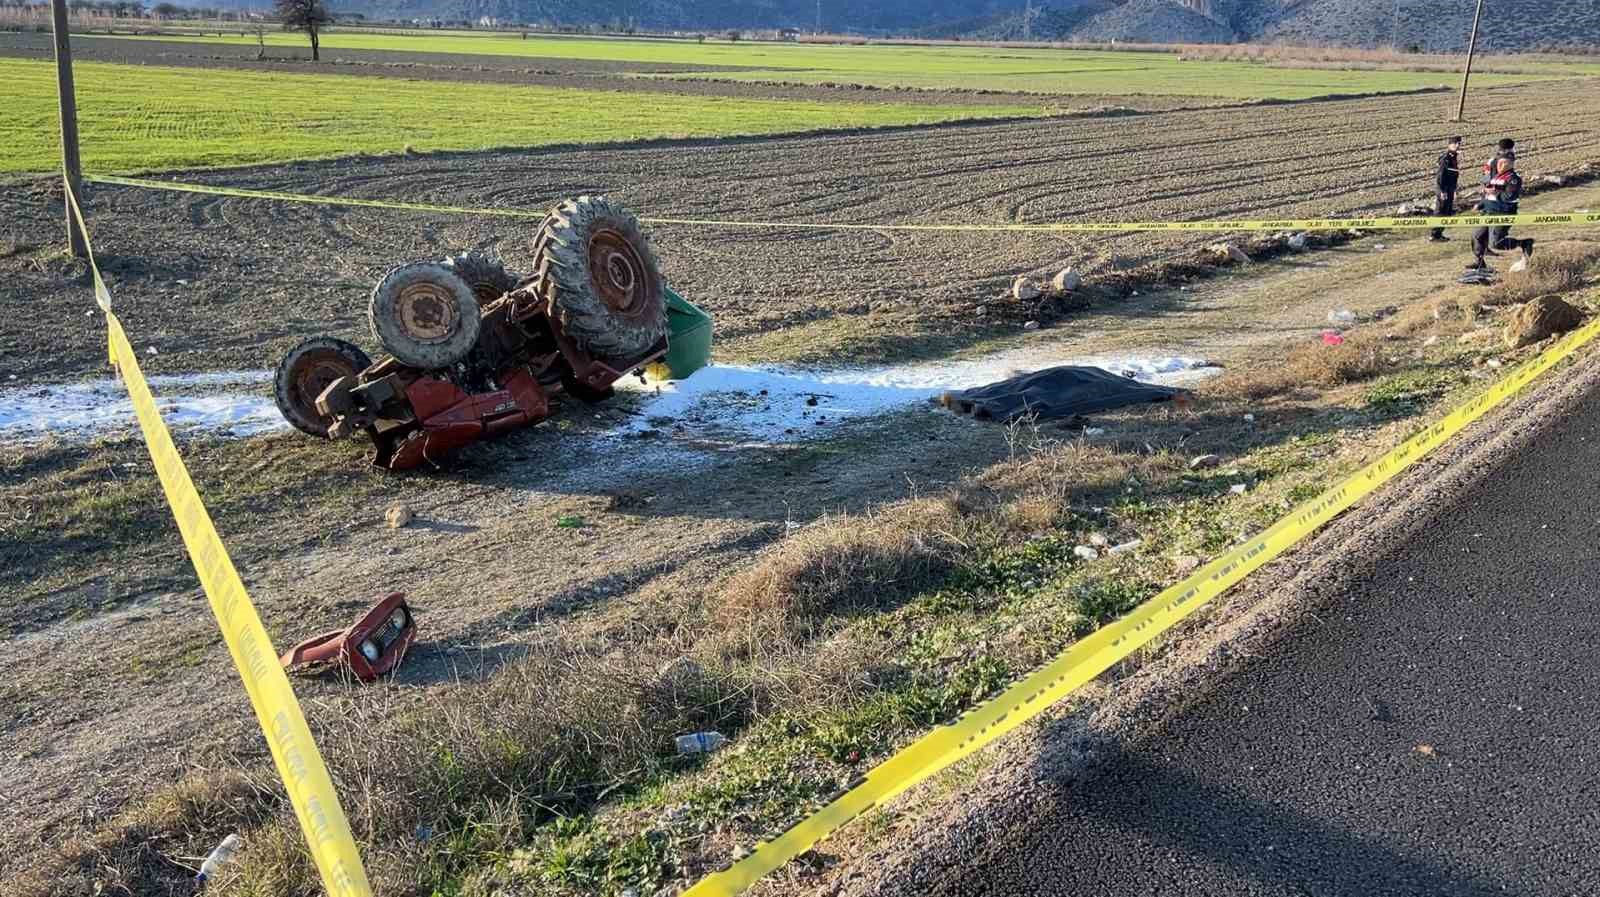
618, 272
316, 372
427, 312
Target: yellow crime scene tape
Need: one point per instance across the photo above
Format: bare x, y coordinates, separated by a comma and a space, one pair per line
305, 777
1086, 659
1220, 225
1095, 654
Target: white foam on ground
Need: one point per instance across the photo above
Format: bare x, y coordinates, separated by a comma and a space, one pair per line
100, 407
776, 405
722, 403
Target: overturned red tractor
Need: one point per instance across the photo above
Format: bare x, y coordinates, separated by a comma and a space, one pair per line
475, 351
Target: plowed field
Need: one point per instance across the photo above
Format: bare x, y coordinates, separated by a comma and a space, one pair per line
229, 283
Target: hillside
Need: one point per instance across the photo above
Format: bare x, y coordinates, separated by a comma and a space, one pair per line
1431, 25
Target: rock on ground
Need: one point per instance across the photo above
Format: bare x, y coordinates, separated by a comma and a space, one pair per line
1023, 289
1230, 252
1541, 319
1067, 281
398, 516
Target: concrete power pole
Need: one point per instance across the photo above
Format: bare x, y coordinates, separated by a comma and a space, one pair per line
1027, 21
1472, 47
71, 169
819, 16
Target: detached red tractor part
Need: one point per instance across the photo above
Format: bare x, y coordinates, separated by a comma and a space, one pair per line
474, 352
372, 646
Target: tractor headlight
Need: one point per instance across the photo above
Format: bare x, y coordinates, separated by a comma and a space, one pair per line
398, 619
369, 650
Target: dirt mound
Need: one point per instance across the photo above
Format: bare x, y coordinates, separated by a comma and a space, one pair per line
1541, 319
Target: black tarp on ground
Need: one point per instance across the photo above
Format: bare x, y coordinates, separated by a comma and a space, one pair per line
1058, 392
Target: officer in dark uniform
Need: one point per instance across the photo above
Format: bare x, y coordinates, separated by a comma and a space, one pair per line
1445, 182
1502, 195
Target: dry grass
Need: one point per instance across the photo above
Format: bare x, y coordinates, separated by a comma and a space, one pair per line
1559, 268
136, 852
1358, 358
846, 564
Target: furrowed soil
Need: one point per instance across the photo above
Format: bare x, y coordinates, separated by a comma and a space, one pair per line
259, 275
122, 684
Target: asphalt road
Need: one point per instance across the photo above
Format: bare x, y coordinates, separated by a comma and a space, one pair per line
1435, 729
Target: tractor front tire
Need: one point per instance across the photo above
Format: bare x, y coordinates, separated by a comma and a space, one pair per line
485, 275
425, 315
599, 279
308, 370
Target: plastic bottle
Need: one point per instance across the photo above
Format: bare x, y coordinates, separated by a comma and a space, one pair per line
701, 742
222, 854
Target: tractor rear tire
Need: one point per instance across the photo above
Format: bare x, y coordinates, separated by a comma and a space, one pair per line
487, 276
599, 279
425, 315
305, 372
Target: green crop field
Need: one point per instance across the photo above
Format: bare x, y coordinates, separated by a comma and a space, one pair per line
984, 68
147, 117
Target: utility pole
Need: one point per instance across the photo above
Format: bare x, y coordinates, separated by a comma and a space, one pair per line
1472, 47
71, 169
1027, 21
819, 16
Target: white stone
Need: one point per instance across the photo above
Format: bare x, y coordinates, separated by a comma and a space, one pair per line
1023, 289
1067, 281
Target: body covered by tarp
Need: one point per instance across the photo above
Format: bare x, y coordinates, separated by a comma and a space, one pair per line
1058, 392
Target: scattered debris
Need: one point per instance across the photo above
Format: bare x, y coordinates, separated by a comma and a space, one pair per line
1086, 553
1297, 242
398, 516
1186, 564
1249, 418
1204, 462
1332, 338
1426, 750
1239, 489
569, 521
1024, 289
1031, 325
1127, 547
1094, 431
369, 648
151, 351
1520, 266
1099, 540
700, 743
982, 311
1342, 317
1379, 247
215, 860
1541, 319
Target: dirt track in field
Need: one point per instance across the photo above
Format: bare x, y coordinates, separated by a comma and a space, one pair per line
583, 74
227, 283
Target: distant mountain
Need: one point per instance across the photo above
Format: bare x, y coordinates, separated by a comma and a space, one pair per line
1432, 25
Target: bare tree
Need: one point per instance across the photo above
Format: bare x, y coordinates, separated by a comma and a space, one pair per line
307, 16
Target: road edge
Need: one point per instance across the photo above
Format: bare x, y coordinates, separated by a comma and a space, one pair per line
1193, 662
